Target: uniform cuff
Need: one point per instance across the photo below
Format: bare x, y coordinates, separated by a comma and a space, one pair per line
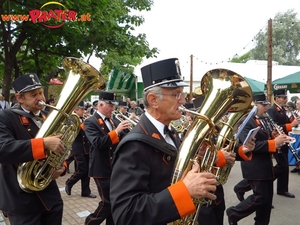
182, 199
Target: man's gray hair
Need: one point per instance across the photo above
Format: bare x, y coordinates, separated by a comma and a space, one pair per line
156, 90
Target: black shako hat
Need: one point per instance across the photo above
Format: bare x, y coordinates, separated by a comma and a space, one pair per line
80, 105
280, 92
260, 99
108, 97
95, 103
165, 73
27, 82
123, 104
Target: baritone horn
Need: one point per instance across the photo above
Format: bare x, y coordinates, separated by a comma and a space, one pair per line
37, 175
224, 91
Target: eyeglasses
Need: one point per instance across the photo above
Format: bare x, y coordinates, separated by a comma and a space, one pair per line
178, 96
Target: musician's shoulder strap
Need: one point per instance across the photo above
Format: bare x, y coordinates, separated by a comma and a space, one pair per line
158, 144
22, 113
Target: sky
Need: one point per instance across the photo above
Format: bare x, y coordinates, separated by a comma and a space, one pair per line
210, 32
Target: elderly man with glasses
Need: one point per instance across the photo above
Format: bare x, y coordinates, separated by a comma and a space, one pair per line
143, 162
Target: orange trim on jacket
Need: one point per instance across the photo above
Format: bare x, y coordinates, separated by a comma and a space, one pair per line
221, 162
182, 199
288, 127
37, 146
243, 155
113, 137
271, 145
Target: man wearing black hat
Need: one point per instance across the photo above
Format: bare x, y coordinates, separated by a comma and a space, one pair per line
80, 155
18, 128
144, 160
94, 107
258, 172
122, 114
281, 169
104, 135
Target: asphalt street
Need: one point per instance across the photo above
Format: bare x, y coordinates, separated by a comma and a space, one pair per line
286, 210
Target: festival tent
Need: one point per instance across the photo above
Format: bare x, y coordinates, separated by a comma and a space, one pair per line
256, 86
290, 82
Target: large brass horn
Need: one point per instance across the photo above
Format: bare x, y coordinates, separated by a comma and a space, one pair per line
224, 91
226, 137
82, 78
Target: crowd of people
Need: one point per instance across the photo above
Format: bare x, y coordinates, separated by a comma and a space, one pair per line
130, 150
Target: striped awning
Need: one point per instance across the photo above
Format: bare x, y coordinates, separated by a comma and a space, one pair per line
121, 83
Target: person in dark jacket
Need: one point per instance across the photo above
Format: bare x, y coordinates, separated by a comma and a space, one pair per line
104, 134
80, 155
259, 170
281, 169
144, 160
18, 144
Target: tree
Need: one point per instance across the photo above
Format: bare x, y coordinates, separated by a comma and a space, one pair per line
285, 41
106, 29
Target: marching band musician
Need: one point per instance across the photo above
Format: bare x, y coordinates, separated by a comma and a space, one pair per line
258, 172
296, 134
104, 135
143, 162
18, 128
281, 169
123, 110
80, 156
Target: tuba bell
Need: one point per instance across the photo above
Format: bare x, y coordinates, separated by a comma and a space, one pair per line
82, 78
224, 91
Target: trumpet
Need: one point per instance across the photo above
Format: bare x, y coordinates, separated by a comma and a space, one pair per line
121, 117
277, 128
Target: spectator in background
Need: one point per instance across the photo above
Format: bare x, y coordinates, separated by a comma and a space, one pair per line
128, 100
3, 103
136, 110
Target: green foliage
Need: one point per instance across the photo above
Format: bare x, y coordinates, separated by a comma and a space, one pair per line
243, 59
32, 47
285, 40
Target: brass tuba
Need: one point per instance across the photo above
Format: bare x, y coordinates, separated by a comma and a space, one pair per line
226, 136
82, 78
224, 91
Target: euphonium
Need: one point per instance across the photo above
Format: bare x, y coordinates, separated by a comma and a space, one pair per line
82, 78
224, 91
226, 137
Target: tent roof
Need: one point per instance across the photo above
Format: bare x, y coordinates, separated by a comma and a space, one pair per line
290, 82
256, 86
292, 78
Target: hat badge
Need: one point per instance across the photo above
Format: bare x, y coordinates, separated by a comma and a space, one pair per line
177, 64
32, 78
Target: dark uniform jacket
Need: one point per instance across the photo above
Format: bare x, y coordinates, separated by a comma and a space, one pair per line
260, 166
17, 145
81, 144
140, 183
103, 143
279, 117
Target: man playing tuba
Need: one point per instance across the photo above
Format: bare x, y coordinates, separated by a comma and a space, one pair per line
18, 127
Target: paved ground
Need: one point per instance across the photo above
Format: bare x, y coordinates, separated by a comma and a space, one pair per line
286, 211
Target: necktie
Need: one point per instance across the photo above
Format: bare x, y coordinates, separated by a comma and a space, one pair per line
170, 134
37, 120
110, 124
